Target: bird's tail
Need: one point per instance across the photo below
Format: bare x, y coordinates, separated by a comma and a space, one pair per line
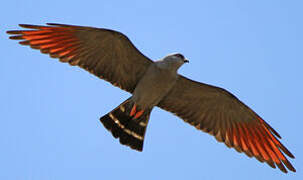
128, 123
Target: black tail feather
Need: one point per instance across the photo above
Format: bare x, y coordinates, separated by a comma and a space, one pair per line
130, 131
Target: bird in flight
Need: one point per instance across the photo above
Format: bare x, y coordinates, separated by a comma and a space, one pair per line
111, 56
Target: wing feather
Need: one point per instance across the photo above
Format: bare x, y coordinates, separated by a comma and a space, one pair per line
222, 115
108, 54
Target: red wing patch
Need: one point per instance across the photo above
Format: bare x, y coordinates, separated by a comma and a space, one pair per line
133, 111
139, 114
59, 42
256, 139
136, 113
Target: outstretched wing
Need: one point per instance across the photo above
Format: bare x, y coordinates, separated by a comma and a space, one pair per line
221, 114
105, 53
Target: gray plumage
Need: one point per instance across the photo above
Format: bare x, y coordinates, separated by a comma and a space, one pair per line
110, 55
159, 78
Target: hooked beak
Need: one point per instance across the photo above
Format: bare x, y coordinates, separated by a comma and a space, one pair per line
186, 61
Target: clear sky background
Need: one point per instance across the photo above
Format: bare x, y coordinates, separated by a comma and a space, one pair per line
50, 129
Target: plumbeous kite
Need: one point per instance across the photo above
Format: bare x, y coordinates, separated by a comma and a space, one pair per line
111, 56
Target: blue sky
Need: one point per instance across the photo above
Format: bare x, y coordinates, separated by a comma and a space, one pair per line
50, 129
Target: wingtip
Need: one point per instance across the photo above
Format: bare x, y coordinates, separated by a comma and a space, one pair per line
286, 151
12, 32
30, 26
16, 37
24, 42
291, 155
272, 130
60, 25
53, 24
23, 26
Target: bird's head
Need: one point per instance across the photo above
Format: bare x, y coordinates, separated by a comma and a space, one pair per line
174, 60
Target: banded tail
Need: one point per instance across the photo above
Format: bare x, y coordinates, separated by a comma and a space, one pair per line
128, 123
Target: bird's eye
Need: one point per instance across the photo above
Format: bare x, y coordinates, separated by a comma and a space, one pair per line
179, 56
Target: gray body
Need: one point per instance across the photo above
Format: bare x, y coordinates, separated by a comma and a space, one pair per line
159, 78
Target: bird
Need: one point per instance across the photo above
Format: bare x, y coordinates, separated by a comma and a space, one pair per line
111, 56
